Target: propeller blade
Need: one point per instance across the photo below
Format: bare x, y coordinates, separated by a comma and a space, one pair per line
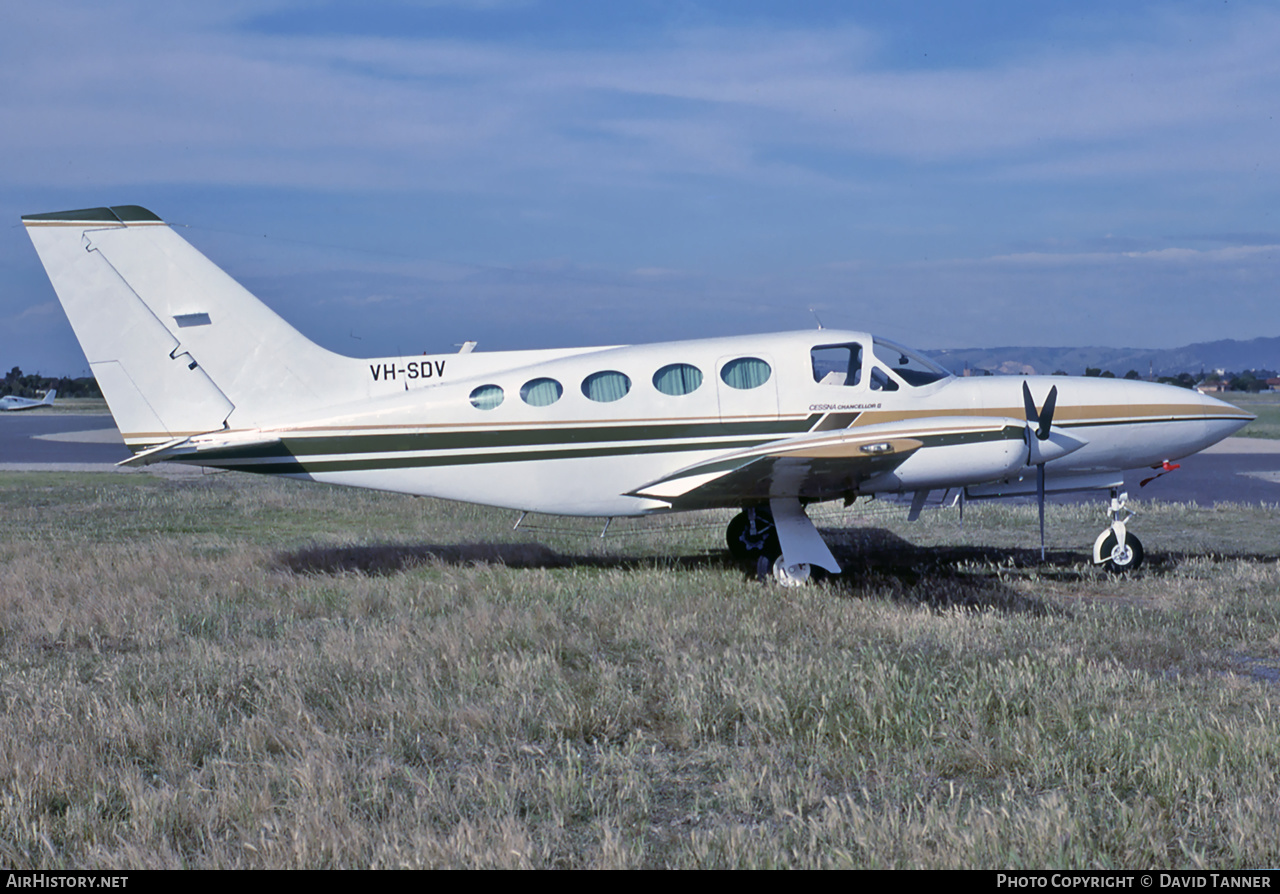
1040, 500
1029, 404
1043, 419
1046, 414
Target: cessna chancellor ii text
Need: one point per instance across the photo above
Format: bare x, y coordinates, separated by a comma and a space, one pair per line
197, 370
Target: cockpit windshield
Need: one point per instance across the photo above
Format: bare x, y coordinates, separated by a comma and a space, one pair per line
906, 364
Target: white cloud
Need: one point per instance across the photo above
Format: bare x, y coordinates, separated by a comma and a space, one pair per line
1174, 255
186, 95
728, 168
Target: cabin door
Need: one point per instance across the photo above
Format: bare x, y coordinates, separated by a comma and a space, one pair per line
747, 388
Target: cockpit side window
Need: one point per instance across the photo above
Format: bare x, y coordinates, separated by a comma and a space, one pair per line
881, 380
906, 365
837, 364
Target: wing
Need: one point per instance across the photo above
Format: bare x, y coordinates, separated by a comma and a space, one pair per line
947, 451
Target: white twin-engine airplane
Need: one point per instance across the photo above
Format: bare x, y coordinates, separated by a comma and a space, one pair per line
195, 369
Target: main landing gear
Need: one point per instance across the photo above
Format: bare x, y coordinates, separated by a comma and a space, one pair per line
752, 535
756, 537
1116, 549
753, 540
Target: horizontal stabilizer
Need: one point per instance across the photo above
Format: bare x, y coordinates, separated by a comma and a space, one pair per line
191, 448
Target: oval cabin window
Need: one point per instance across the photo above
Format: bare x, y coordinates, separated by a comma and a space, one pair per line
605, 387
745, 373
541, 392
486, 397
677, 378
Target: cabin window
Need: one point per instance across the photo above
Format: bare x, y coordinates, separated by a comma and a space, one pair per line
541, 392
486, 397
837, 364
606, 386
677, 378
745, 373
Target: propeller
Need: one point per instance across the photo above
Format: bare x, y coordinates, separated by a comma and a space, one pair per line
1043, 420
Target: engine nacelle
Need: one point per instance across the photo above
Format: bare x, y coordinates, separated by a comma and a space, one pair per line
953, 465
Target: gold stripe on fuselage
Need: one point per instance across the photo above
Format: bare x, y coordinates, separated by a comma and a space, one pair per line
1063, 416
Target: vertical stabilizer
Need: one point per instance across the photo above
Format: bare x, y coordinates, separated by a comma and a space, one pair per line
178, 347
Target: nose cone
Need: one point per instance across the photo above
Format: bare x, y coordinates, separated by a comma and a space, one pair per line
1188, 420
1222, 419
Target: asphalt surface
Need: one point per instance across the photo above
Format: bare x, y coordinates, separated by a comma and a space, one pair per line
1239, 470
1216, 476
28, 437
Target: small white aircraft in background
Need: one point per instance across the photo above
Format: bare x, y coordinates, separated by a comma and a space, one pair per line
195, 369
11, 402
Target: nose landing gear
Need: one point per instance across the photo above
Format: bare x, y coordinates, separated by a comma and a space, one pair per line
1116, 549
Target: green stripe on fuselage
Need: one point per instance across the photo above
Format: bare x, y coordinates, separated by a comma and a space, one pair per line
363, 462
355, 452
1007, 433
483, 440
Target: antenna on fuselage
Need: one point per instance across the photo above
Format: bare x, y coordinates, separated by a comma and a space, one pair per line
816, 317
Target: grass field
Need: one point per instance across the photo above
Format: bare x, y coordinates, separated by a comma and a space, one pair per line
1266, 406
221, 671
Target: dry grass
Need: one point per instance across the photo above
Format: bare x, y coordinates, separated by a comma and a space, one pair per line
1265, 405
227, 672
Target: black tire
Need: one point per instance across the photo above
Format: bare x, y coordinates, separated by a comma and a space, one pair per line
1128, 561
746, 547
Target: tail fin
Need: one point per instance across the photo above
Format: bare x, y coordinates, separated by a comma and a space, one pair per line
49, 396
178, 347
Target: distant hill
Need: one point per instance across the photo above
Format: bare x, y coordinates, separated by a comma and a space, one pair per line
1228, 354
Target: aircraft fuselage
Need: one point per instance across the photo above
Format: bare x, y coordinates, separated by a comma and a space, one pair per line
501, 428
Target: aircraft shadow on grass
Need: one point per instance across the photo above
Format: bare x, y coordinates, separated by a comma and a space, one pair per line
876, 561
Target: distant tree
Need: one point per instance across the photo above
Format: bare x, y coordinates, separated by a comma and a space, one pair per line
1093, 371
1061, 372
1182, 380
1247, 381
33, 385
1133, 374
1108, 374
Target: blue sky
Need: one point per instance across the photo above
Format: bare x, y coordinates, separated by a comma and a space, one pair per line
403, 176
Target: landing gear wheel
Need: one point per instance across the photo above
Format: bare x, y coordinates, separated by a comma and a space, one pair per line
751, 535
790, 575
1118, 558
